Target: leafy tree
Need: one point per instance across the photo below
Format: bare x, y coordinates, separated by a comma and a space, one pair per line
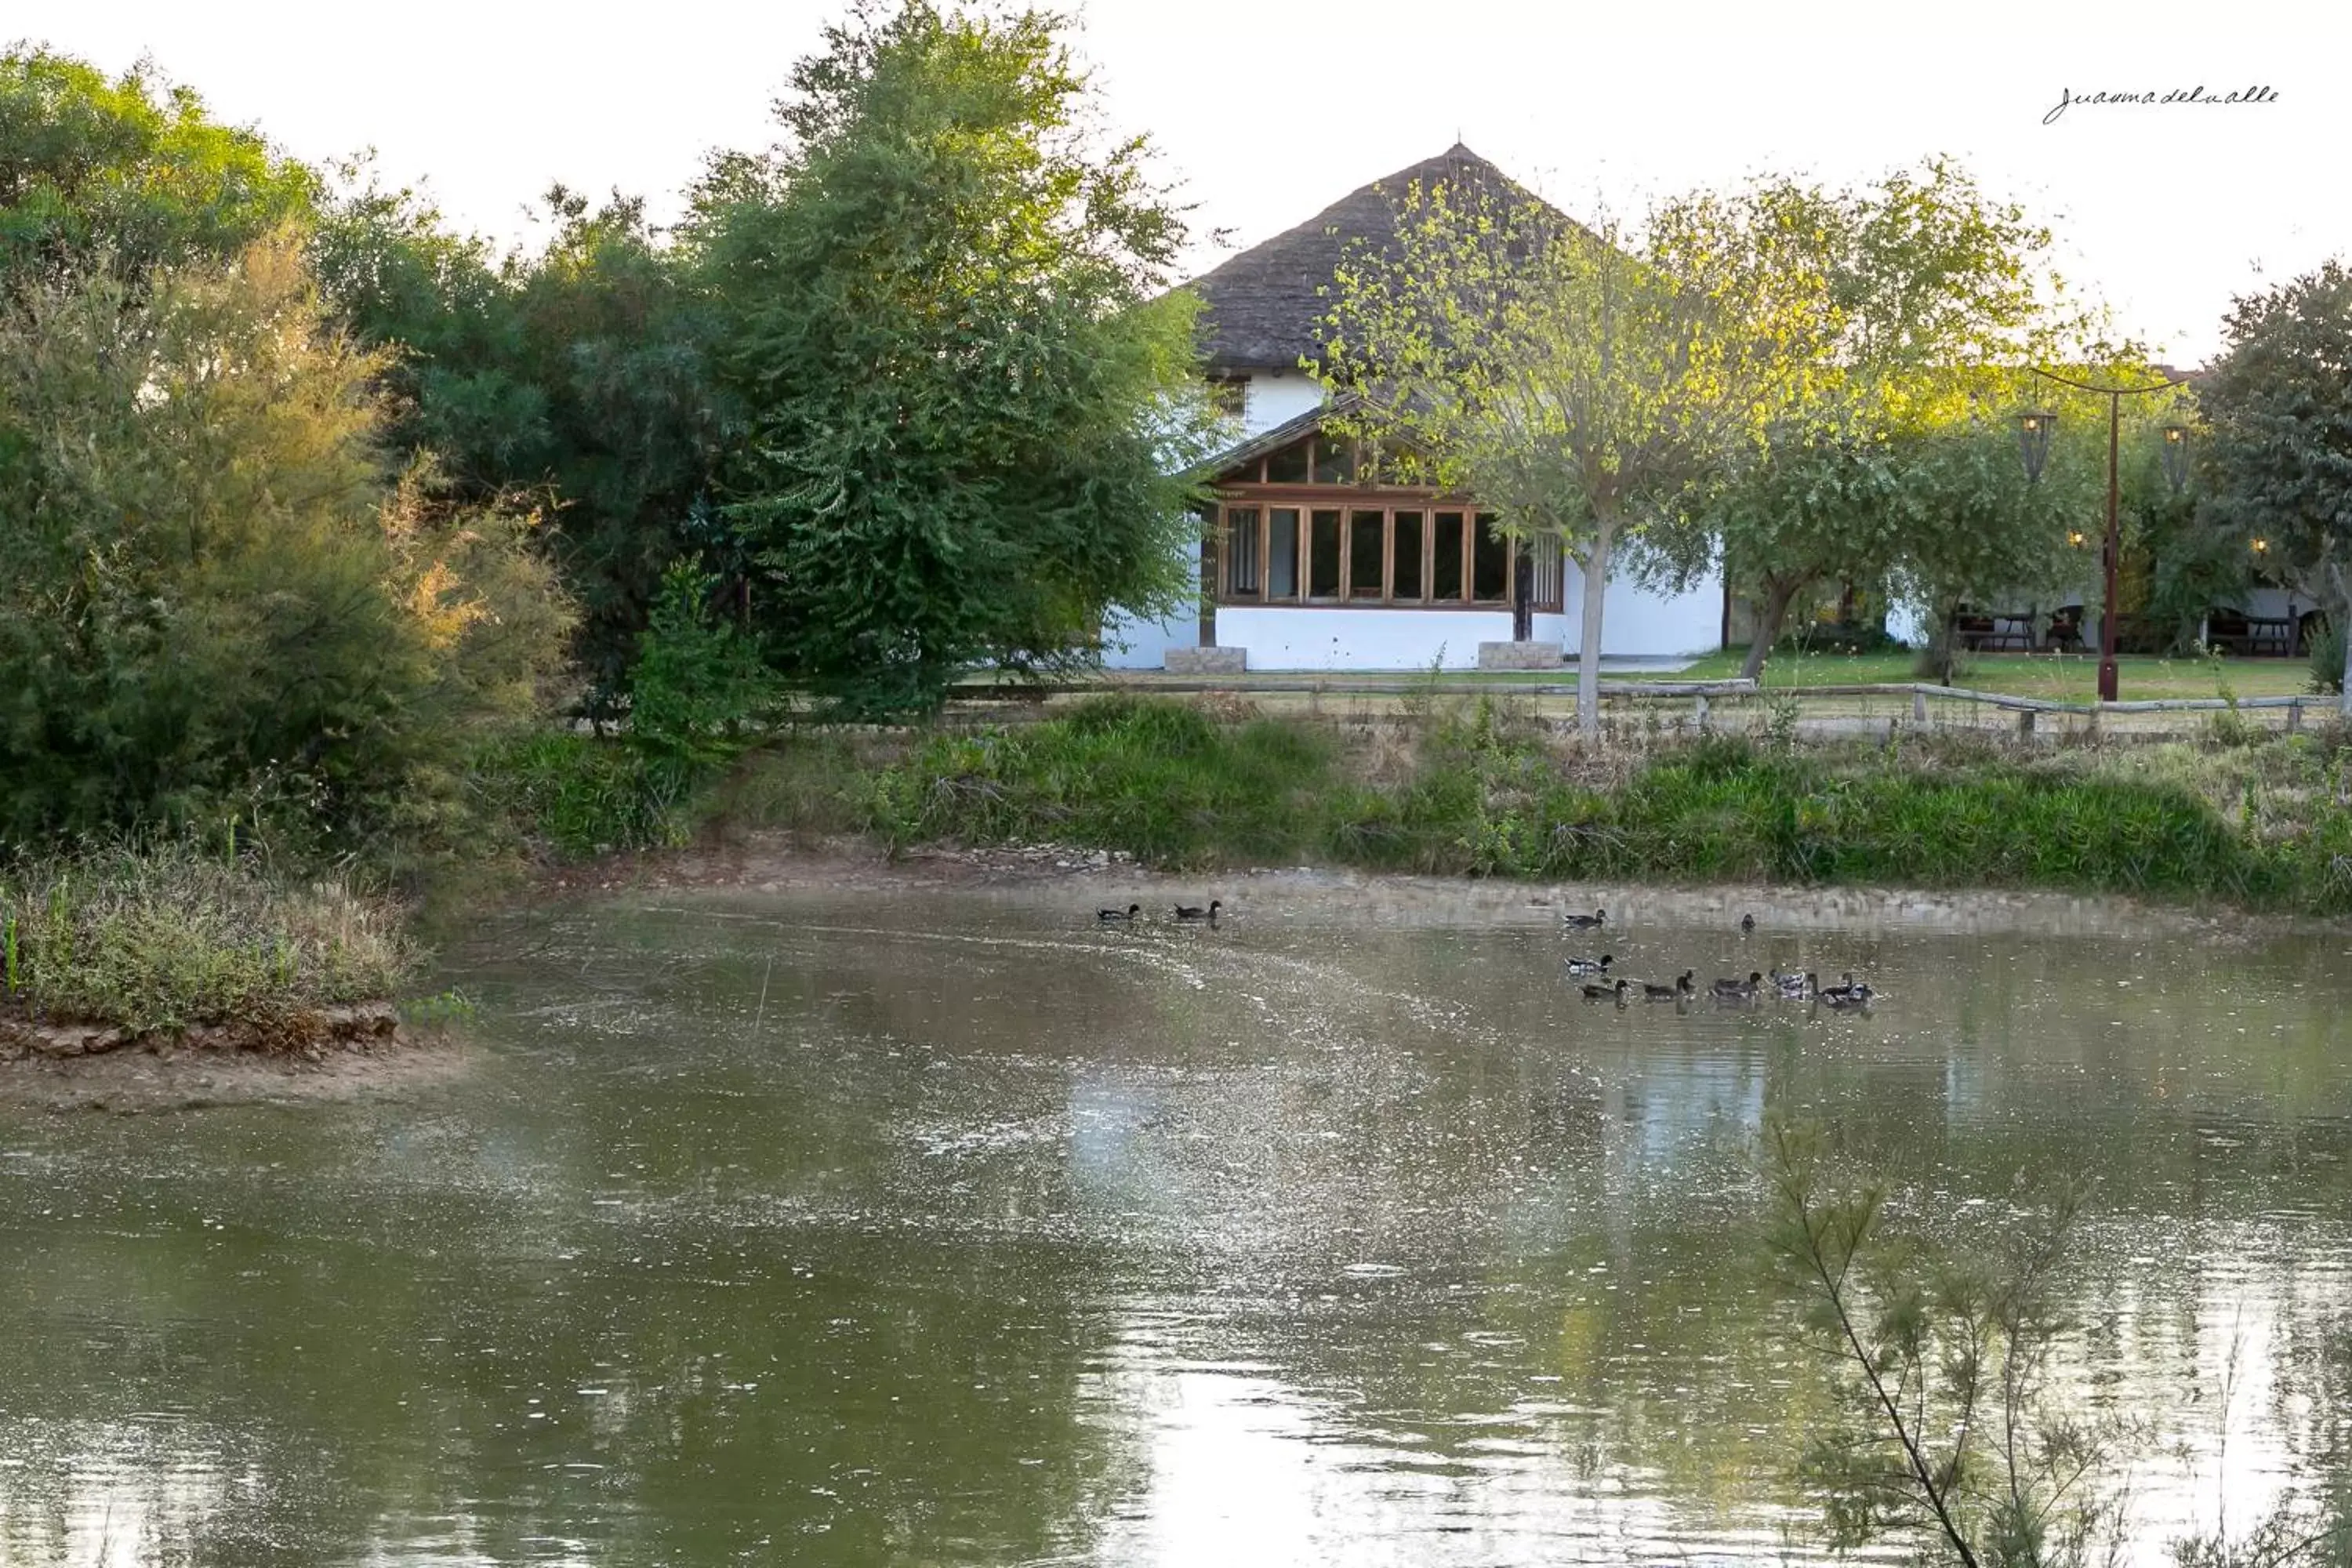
578, 377
1584, 381
964, 409
1928, 282
217, 598
2276, 460
132, 170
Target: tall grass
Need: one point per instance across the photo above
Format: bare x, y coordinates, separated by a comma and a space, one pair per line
1478, 790
167, 935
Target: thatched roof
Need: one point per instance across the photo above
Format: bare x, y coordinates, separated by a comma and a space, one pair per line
1265, 306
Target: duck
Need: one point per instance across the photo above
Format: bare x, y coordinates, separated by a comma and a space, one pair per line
1747, 923
1859, 996
1797, 987
1607, 993
1740, 990
1192, 913
1593, 922
1653, 992
1591, 965
1127, 913
1846, 987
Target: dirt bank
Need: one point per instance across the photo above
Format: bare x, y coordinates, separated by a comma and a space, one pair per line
1042, 874
336, 1053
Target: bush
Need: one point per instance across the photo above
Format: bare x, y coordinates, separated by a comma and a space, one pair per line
168, 936
2327, 659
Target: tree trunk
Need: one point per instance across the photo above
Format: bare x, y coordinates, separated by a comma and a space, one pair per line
1777, 598
1587, 653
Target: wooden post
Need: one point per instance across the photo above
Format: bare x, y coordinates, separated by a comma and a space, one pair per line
1919, 708
2294, 716
1698, 711
2025, 723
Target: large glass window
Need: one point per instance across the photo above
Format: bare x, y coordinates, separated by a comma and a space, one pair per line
1366, 532
1335, 461
1290, 466
1405, 557
1241, 547
1323, 554
1281, 552
1449, 543
1490, 569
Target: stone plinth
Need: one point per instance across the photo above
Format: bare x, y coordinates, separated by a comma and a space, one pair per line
1206, 660
1520, 656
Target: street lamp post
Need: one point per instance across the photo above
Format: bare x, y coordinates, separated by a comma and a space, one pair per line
2033, 440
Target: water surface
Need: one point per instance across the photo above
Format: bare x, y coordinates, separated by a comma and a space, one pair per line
931, 1229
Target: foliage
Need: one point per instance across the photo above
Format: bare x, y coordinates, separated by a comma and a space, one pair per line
1949, 1433
964, 409
1928, 282
217, 602
132, 173
2327, 658
2276, 459
165, 934
697, 681
580, 374
1581, 380
1480, 792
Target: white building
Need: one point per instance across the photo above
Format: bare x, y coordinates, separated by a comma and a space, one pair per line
1308, 569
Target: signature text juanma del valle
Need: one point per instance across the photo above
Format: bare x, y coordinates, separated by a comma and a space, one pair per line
2177, 95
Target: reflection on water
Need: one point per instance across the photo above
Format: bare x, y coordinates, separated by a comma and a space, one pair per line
876, 1229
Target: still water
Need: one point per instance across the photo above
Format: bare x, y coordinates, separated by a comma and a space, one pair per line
950, 1229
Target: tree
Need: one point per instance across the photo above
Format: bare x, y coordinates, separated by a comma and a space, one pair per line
1948, 1435
578, 377
2276, 460
1929, 284
220, 597
1584, 381
134, 171
965, 413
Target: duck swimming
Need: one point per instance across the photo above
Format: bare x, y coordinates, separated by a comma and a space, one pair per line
1846, 987
1607, 993
1591, 965
1797, 987
1129, 913
1593, 922
1859, 996
1190, 912
1740, 990
1682, 987
1747, 923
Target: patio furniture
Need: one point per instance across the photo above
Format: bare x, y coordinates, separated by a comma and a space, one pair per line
2065, 633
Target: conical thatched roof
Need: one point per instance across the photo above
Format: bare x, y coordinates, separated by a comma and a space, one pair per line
1265, 306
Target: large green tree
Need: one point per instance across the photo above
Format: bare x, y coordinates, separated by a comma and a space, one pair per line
2277, 454
967, 397
133, 170
1586, 381
221, 597
1930, 285
577, 377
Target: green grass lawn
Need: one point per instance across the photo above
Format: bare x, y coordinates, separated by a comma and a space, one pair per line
2062, 678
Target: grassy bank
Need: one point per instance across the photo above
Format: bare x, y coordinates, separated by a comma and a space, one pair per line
169, 936
1473, 787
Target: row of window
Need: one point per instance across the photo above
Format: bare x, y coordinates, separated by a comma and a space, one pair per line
1397, 555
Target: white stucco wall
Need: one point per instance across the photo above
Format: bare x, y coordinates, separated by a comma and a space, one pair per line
1275, 396
1305, 638
1637, 623
1146, 643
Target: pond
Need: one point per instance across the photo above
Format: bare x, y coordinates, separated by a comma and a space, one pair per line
909, 1226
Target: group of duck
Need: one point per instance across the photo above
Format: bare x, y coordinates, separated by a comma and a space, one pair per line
1133, 913
1600, 985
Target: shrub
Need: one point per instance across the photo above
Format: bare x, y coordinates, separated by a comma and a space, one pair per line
165, 935
2327, 659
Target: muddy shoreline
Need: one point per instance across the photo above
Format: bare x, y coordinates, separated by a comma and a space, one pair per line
338, 1052
1052, 874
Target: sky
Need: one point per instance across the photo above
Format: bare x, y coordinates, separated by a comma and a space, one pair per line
1265, 111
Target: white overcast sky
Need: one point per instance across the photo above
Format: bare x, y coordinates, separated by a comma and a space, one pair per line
1268, 110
